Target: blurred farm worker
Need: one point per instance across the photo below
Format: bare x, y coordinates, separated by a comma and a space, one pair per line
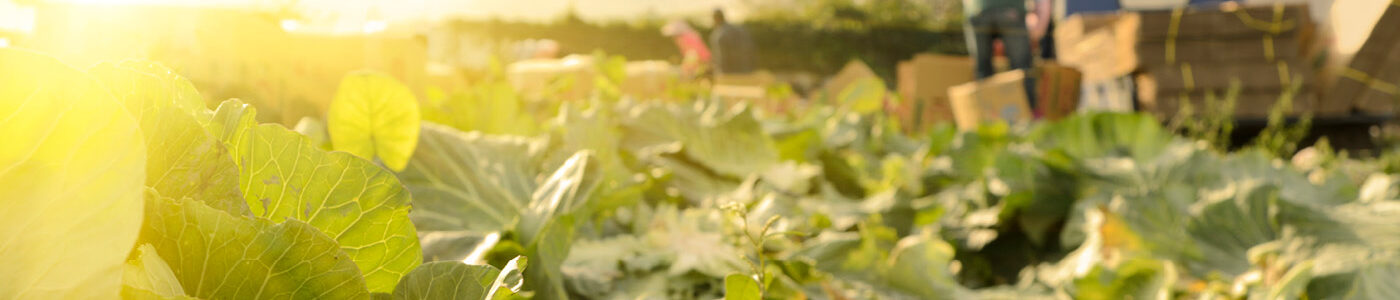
1041, 27
990, 20
694, 53
733, 49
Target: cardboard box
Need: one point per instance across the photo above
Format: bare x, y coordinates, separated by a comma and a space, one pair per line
1249, 105
743, 86
1357, 84
649, 79
1226, 21
1151, 4
923, 84
1155, 53
1251, 76
1377, 103
1101, 46
1383, 91
1057, 91
1001, 97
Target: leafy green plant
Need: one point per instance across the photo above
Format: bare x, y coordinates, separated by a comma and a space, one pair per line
1214, 123
120, 180
374, 116
1278, 137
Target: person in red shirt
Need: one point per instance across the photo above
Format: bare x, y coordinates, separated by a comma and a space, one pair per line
693, 50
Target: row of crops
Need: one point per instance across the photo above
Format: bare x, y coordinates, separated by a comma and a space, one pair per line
119, 181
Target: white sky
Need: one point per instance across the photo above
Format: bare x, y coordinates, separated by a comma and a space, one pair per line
434, 9
335, 13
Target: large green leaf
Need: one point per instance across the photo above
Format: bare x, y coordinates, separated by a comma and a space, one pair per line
1135, 279
447, 280
864, 96
548, 224
740, 287
490, 107
470, 181
919, 264
360, 205
177, 90
726, 140
183, 159
565, 191
1376, 281
916, 266
547, 253
72, 164
374, 115
595, 129
148, 274
222, 256
1084, 136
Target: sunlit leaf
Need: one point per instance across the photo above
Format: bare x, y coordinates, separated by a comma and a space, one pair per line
220, 256
72, 168
866, 95
360, 205
727, 140
470, 181
741, 287
183, 159
447, 280
149, 273
372, 116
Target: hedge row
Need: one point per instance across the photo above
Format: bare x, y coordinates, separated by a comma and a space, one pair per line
783, 46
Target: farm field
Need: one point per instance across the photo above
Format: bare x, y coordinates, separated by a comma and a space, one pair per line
800, 149
119, 183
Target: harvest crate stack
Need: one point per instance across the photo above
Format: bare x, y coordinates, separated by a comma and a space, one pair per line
1190, 55
1371, 82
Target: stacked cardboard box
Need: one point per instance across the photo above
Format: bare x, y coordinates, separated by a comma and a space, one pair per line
1189, 53
1057, 90
923, 86
1372, 81
1001, 97
1101, 47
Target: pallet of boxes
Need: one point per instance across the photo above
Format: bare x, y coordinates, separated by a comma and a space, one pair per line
923, 83
1179, 59
1100, 47
1199, 59
938, 89
1371, 81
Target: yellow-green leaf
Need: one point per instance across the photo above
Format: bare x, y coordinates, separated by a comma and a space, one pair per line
72, 165
149, 274
374, 115
215, 255
741, 287
360, 205
183, 159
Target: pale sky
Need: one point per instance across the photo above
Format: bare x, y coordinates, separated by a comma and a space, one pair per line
339, 12
434, 9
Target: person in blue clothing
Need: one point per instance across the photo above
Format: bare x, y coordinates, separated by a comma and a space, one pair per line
732, 49
990, 20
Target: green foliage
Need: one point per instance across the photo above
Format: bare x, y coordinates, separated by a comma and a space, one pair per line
362, 206
740, 287
72, 170
374, 116
617, 199
1280, 138
1214, 123
217, 255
